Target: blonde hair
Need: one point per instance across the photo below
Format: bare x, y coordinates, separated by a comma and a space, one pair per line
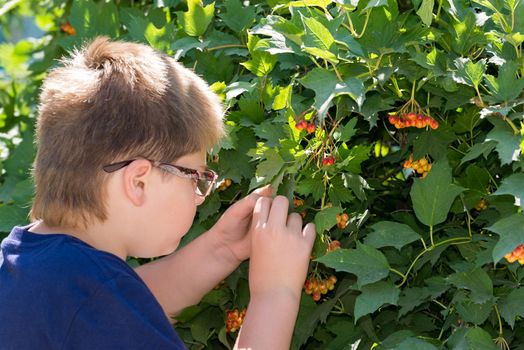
108, 101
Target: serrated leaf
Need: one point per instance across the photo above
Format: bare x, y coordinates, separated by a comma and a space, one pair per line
432, 196
261, 62
433, 142
425, 11
513, 185
11, 216
326, 218
511, 306
506, 86
472, 339
197, 18
477, 149
469, 73
390, 234
327, 86
508, 143
472, 312
511, 232
268, 168
366, 262
237, 17
411, 298
318, 40
476, 281
357, 184
415, 343
283, 98
374, 296
311, 186
357, 155
349, 130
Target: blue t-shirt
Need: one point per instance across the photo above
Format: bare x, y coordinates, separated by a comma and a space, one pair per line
57, 292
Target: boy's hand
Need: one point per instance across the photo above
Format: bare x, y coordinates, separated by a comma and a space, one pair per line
232, 229
281, 249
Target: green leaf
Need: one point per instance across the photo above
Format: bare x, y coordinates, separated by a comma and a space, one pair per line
317, 40
11, 216
477, 281
432, 196
425, 11
477, 149
237, 17
268, 168
390, 234
283, 98
326, 219
472, 312
366, 262
327, 86
261, 62
197, 17
508, 143
411, 298
312, 185
433, 142
469, 73
511, 306
513, 185
506, 86
357, 184
374, 296
511, 232
472, 339
354, 159
415, 343
349, 130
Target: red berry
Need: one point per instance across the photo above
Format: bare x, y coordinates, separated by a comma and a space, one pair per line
310, 128
329, 160
411, 116
433, 124
301, 125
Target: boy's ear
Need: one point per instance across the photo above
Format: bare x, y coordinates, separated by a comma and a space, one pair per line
136, 177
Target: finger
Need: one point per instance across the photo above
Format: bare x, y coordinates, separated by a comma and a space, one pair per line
278, 213
261, 210
245, 206
294, 222
266, 191
309, 233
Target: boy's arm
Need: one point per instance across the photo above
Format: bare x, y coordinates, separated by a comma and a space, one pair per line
183, 278
278, 267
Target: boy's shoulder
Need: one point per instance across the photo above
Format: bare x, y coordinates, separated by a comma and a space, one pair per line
58, 287
61, 256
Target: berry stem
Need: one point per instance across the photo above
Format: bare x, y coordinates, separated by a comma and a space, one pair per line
431, 236
498, 317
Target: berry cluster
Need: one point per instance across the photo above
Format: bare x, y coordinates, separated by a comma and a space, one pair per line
342, 220
317, 286
224, 185
234, 320
304, 125
412, 119
297, 202
481, 205
328, 160
516, 255
421, 166
68, 28
333, 245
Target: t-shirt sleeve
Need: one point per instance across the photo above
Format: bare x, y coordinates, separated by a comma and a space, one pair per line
121, 314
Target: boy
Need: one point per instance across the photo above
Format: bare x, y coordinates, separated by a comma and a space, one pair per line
122, 135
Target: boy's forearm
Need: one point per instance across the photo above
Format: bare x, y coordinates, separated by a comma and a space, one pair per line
184, 277
269, 322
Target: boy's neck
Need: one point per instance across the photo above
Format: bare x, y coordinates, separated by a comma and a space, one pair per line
95, 236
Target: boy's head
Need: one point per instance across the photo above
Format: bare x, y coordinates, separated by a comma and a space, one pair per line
111, 102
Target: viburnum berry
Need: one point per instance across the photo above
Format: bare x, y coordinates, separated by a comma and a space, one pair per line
234, 320
412, 119
317, 286
68, 28
224, 185
301, 125
328, 160
297, 202
333, 245
310, 128
481, 205
516, 255
342, 220
421, 166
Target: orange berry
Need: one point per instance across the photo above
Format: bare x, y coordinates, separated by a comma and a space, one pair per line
310, 128
316, 296
433, 124
345, 217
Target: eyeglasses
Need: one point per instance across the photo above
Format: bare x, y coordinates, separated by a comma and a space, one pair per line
205, 180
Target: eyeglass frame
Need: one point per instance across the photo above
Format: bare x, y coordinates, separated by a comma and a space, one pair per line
177, 170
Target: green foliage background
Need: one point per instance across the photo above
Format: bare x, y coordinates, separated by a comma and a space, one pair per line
420, 267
